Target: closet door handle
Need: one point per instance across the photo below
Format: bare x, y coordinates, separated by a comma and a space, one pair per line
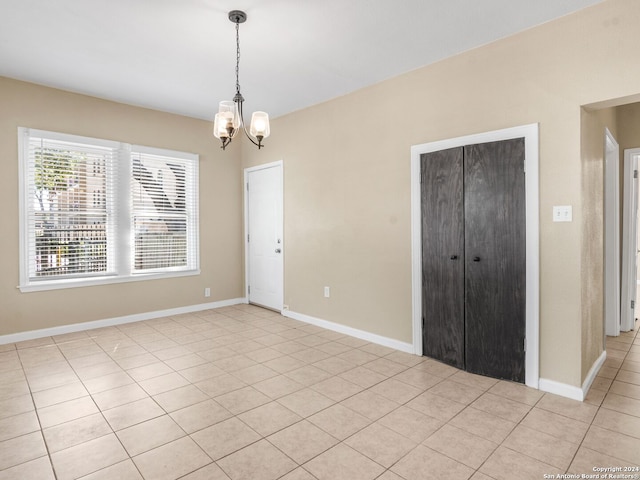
476, 259
453, 257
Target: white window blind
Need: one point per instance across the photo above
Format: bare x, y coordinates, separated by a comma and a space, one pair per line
163, 194
98, 211
67, 216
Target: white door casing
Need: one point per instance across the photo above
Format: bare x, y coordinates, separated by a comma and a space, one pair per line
629, 239
532, 314
264, 243
611, 235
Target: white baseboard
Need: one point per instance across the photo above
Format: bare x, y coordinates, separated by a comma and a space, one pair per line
353, 332
569, 391
593, 372
562, 389
109, 322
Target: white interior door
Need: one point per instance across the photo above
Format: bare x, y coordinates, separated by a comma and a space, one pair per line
629, 239
264, 242
611, 235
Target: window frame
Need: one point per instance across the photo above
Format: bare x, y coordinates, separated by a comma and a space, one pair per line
119, 221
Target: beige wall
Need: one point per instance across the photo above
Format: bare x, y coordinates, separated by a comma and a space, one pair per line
628, 120
594, 123
624, 123
347, 177
627, 134
27, 105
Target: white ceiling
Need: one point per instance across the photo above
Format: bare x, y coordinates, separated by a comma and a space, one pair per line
179, 55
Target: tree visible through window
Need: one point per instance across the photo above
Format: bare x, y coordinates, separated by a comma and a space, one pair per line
70, 229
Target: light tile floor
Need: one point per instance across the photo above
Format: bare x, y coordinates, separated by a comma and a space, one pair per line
243, 393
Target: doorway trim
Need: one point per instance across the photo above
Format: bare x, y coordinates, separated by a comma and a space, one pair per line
532, 311
629, 238
280, 165
612, 235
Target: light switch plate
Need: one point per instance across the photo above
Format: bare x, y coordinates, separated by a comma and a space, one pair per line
562, 213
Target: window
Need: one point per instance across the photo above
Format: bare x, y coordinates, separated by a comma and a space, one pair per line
96, 211
159, 212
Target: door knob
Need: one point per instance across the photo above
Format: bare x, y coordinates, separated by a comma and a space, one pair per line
454, 257
278, 250
476, 259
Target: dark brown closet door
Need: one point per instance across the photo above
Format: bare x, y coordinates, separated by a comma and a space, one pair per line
443, 256
494, 205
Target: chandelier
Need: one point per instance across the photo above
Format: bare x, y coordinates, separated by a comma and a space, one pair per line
229, 119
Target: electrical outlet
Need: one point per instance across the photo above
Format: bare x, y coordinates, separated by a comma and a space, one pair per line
207, 292
327, 292
562, 213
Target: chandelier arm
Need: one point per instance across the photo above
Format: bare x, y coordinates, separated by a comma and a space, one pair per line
257, 144
244, 126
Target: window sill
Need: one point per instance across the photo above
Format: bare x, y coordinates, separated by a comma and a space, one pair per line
44, 285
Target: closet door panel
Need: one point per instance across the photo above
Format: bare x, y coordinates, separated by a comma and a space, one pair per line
495, 265
443, 256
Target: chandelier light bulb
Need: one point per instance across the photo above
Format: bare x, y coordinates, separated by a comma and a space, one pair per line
260, 125
220, 127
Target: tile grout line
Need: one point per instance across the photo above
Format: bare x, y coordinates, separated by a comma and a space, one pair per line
41, 431
233, 373
599, 407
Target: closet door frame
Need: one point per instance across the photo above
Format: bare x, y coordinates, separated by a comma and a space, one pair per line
532, 314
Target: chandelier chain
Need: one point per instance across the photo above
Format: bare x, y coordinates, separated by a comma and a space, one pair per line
237, 57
